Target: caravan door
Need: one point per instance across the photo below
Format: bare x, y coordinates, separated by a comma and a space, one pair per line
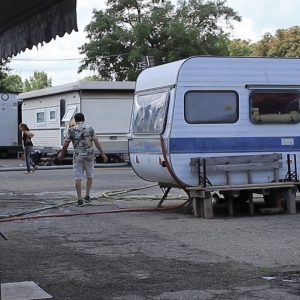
148, 124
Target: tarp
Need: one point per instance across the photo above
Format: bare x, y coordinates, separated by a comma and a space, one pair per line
26, 23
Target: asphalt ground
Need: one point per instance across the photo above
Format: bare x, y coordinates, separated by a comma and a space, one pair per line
112, 250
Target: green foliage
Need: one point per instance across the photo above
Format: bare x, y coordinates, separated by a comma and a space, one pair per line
240, 47
39, 80
13, 83
4, 69
92, 78
129, 29
9, 82
285, 43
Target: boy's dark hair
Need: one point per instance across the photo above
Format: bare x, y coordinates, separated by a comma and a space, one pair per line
79, 117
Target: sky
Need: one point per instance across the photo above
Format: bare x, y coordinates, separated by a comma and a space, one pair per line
60, 58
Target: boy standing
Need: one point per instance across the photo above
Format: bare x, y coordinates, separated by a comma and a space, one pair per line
82, 137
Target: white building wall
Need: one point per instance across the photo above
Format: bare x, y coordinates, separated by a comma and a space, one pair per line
109, 114
49, 133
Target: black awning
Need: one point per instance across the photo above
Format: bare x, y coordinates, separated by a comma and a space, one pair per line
26, 23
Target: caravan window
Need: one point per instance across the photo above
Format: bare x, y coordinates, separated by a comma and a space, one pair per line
149, 112
274, 107
203, 107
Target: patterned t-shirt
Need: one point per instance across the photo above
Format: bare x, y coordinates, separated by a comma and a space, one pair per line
81, 136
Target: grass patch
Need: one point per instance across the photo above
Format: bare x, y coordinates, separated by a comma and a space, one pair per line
264, 270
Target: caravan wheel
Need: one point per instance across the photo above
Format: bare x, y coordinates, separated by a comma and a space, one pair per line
270, 200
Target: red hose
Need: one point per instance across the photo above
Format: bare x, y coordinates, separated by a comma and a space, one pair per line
164, 153
113, 211
93, 213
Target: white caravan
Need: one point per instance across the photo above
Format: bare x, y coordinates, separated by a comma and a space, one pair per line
210, 107
105, 104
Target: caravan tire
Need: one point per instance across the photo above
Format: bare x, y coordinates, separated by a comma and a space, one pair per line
270, 200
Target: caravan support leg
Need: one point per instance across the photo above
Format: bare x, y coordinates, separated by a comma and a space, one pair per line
165, 195
202, 204
291, 200
230, 203
251, 205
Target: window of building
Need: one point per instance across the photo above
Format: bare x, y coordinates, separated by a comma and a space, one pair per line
40, 117
52, 115
149, 112
205, 107
274, 107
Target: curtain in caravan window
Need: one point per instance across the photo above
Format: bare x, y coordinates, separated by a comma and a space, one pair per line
202, 107
149, 113
274, 107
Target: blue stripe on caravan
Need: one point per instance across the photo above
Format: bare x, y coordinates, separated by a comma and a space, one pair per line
232, 145
145, 146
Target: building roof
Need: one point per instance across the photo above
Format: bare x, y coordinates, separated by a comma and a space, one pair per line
80, 86
26, 23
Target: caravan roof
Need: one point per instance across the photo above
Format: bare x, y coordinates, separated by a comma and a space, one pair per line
233, 69
80, 85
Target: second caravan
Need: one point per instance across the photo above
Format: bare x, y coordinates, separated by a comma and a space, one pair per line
106, 106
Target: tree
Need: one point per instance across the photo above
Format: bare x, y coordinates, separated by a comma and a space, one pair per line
13, 83
39, 80
129, 29
92, 78
9, 82
4, 69
238, 47
285, 43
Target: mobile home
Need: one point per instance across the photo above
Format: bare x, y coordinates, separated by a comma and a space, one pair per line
213, 107
10, 117
106, 106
